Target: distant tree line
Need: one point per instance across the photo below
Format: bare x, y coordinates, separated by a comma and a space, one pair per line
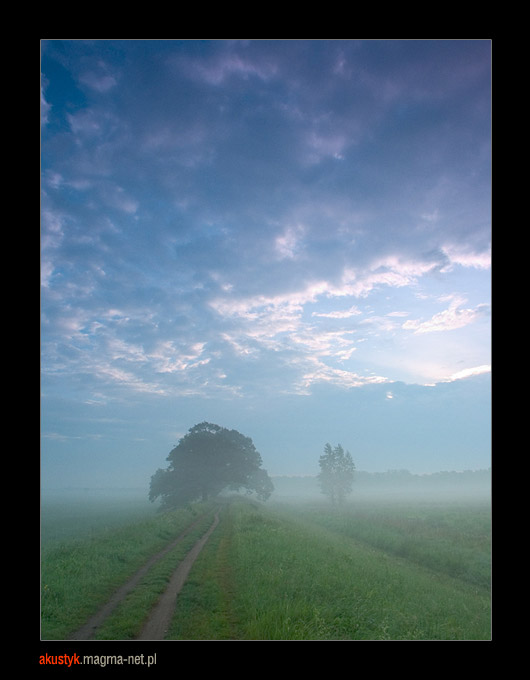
467, 483
406, 477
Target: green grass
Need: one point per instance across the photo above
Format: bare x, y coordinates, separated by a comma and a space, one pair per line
453, 539
78, 575
281, 572
204, 606
276, 574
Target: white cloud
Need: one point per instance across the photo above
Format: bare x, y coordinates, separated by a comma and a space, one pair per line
450, 319
277, 323
322, 343
119, 349
169, 359
46, 273
287, 306
380, 323
345, 314
344, 226
217, 70
100, 82
466, 257
390, 271
126, 379
325, 146
317, 371
469, 372
288, 244
44, 108
85, 122
57, 436
239, 346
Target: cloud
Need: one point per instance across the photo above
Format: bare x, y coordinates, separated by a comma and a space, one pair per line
380, 323
169, 359
225, 61
118, 198
45, 107
345, 314
450, 319
321, 146
87, 123
465, 256
101, 82
244, 201
324, 343
288, 244
126, 379
280, 323
469, 373
56, 436
271, 234
316, 371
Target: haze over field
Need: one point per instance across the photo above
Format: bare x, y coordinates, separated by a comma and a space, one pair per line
287, 238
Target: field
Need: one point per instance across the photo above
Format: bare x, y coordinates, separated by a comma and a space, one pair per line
278, 571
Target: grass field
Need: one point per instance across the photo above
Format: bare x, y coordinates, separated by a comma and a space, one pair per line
81, 568
306, 574
291, 571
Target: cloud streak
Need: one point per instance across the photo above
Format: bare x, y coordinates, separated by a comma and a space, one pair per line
449, 319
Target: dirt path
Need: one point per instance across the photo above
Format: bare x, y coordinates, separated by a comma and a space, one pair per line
87, 631
158, 622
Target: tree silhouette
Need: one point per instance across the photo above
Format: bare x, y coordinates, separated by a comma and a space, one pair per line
207, 460
336, 473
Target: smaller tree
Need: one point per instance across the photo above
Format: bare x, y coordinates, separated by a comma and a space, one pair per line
336, 473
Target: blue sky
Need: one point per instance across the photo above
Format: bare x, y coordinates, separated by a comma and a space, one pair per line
288, 238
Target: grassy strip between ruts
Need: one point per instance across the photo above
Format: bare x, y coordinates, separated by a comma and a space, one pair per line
79, 575
268, 575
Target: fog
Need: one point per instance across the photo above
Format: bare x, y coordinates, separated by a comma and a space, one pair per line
73, 512
377, 486
392, 486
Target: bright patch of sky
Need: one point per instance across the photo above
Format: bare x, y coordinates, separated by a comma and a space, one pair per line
267, 235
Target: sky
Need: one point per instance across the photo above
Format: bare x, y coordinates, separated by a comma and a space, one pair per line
287, 238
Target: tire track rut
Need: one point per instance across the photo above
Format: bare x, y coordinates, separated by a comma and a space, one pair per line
158, 622
88, 629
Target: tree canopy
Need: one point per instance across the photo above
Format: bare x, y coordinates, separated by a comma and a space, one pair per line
207, 460
336, 473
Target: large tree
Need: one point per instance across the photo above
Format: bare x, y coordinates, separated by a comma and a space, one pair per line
207, 460
336, 473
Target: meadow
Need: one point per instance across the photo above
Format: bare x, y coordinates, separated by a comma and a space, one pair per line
312, 573
286, 571
84, 561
